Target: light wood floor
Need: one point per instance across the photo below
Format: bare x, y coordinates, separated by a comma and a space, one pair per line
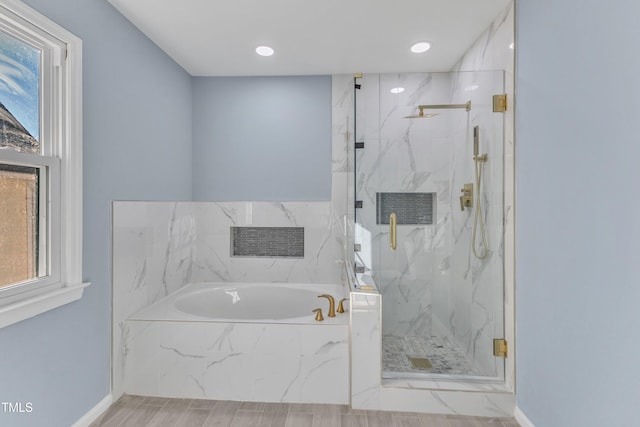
138, 411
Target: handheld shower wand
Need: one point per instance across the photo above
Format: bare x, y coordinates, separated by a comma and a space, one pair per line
476, 141
478, 220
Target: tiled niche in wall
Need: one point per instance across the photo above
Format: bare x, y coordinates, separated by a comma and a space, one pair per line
410, 208
267, 242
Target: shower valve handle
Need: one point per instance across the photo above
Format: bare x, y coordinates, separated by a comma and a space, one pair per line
319, 316
466, 200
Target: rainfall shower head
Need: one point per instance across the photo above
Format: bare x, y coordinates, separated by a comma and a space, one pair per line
421, 109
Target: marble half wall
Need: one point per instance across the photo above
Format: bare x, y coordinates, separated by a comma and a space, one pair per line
153, 251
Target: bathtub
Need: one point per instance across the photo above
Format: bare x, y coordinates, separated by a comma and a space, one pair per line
246, 303
240, 341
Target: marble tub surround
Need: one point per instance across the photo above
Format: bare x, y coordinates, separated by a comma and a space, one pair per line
153, 250
158, 247
295, 363
323, 242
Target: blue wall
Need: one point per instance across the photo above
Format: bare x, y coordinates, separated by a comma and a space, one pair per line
578, 228
262, 138
137, 145
578, 217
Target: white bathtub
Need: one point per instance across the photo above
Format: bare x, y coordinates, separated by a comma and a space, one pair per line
246, 302
240, 341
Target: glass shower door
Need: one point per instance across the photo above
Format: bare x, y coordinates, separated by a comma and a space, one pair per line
442, 306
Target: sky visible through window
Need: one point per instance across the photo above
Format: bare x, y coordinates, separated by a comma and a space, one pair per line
20, 82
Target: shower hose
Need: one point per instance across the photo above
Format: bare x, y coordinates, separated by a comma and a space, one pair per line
478, 220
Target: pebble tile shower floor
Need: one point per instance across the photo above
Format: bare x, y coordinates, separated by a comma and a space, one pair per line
139, 411
445, 357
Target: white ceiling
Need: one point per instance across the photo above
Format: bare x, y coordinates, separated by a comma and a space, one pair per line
219, 37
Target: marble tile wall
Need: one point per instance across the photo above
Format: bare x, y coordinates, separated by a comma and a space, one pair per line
433, 283
160, 247
394, 144
153, 246
370, 391
425, 155
468, 290
323, 242
471, 307
366, 350
238, 361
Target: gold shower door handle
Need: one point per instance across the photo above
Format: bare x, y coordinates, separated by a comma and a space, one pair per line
393, 237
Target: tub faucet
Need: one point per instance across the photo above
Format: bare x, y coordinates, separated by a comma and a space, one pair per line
332, 304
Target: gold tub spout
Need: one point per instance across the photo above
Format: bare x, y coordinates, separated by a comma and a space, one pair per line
332, 304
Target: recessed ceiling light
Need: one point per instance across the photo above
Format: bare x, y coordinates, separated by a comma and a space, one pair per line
512, 45
264, 51
420, 47
397, 90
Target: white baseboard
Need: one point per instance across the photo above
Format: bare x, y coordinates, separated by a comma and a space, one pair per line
94, 412
521, 418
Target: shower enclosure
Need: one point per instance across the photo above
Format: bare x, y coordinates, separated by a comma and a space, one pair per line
442, 302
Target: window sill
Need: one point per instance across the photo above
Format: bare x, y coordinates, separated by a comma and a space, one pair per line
32, 306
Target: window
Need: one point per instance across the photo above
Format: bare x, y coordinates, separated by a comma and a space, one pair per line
40, 164
19, 224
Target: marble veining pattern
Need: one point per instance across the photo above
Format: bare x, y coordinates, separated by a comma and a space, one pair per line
153, 255
458, 294
433, 285
247, 361
323, 240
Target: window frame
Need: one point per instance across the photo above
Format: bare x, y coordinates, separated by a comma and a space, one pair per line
60, 158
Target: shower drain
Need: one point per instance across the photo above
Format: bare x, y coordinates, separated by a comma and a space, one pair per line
420, 362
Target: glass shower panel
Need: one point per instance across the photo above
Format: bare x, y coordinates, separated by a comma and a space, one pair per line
441, 305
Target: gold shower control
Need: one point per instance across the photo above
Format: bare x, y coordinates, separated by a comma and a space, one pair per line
466, 200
